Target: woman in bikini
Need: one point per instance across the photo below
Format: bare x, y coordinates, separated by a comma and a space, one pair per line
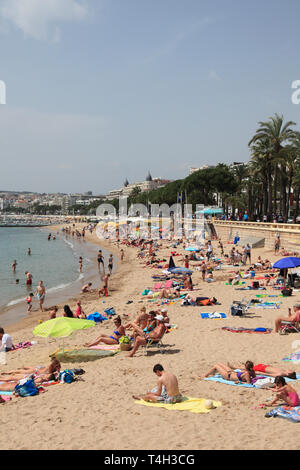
245, 375
150, 325
114, 338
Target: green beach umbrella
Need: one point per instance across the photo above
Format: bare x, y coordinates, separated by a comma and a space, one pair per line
61, 327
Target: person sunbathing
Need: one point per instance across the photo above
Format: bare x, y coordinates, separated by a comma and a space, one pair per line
228, 373
284, 392
152, 337
164, 294
270, 371
23, 372
189, 300
290, 318
113, 339
167, 390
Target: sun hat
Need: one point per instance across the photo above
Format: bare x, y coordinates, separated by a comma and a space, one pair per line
159, 317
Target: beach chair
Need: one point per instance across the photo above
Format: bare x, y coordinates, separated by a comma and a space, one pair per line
154, 344
290, 327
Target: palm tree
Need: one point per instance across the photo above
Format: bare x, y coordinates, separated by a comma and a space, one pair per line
277, 134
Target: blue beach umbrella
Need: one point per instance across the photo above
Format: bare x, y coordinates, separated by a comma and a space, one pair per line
180, 270
285, 263
210, 211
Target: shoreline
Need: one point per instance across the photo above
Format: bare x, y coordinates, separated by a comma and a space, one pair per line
63, 297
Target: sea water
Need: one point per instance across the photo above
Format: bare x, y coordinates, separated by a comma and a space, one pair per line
55, 262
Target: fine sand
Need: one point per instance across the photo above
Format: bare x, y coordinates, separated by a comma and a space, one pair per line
99, 412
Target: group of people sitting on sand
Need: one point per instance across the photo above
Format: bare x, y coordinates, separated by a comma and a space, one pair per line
147, 328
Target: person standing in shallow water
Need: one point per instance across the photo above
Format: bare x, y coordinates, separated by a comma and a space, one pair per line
40, 294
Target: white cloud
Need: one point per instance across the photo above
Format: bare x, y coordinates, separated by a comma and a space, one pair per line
39, 18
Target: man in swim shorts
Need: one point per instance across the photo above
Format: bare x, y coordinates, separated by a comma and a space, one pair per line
40, 294
167, 389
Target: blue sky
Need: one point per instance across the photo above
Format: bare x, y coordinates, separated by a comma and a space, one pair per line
100, 90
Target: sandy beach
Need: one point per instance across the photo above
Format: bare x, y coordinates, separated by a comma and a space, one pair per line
99, 412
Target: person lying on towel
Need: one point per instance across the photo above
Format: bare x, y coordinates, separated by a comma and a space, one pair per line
167, 390
228, 373
270, 371
189, 300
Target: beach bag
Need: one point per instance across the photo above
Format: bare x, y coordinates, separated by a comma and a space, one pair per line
96, 317
67, 376
110, 311
27, 389
236, 311
286, 292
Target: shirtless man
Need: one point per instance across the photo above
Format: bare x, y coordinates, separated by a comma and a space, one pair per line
140, 321
28, 279
152, 336
291, 318
40, 294
167, 390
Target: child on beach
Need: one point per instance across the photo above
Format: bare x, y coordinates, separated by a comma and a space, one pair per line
29, 302
80, 264
284, 392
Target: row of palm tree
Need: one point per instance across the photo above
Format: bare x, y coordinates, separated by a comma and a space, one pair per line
270, 183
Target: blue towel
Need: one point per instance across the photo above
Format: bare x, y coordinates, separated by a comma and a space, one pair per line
213, 315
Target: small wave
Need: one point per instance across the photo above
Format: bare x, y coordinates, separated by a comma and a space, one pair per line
15, 302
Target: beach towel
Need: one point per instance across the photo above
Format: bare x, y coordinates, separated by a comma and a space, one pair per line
213, 316
287, 412
294, 357
157, 286
266, 305
194, 405
82, 355
247, 330
7, 396
106, 347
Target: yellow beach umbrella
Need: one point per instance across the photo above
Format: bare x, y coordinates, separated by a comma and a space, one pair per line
61, 327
